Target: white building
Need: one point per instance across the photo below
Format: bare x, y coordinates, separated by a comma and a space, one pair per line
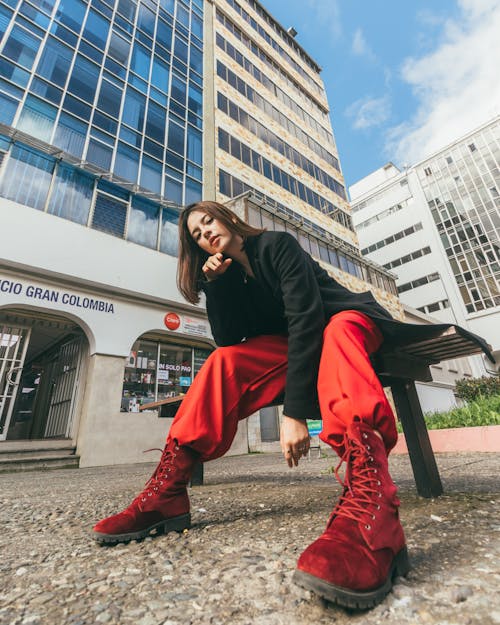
436, 225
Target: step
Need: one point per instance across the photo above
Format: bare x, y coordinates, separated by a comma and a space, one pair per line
37, 462
36, 452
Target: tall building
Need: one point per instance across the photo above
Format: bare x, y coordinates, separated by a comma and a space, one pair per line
114, 114
436, 225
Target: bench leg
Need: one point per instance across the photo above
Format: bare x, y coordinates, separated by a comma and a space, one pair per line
417, 439
197, 475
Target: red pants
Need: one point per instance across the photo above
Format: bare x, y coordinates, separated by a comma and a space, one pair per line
237, 381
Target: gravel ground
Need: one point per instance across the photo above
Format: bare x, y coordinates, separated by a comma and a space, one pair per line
251, 521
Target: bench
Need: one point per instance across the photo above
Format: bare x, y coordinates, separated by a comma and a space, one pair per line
398, 368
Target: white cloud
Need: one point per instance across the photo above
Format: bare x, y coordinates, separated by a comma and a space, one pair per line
327, 12
360, 47
368, 112
456, 84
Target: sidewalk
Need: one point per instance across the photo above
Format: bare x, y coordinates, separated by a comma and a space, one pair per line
251, 521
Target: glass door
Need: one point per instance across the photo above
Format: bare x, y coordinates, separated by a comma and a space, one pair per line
14, 342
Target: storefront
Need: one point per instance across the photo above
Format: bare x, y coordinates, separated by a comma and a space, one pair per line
77, 364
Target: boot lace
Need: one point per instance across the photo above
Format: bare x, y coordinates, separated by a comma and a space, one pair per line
161, 473
361, 484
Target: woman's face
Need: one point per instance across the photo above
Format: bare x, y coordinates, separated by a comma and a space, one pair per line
211, 234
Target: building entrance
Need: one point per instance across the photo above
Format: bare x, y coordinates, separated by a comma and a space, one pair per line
40, 374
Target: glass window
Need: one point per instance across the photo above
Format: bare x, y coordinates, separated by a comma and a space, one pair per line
155, 123
70, 134
139, 380
8, 108
45, 90
27, 177
134, 109
21, 47
193, 191
160, 74
119, 49
143, 222
194, 145
5, 17
71, 13
77, 107
179, 88
151, 174
181, 49
84, 76
109, 98
127, 8
12, 72
99, 154
127, 162
196, 60
169, 237
55, 61
72, 194
146, 21
141, 58
96, 29
37, 118
176, 137
109, 215
163, 35
196, 26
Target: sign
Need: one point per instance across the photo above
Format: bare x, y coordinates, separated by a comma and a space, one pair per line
172, 321
184, 381
314, 426
55, 296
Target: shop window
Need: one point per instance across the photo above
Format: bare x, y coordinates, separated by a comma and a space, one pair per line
156, 370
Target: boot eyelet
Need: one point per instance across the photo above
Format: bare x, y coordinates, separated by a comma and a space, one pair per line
368, 447
150, 494
377, 507
374, 470
143, 499
176, 448
365, 435
379, 483
370, 458
373, 517
379, 495
368, 527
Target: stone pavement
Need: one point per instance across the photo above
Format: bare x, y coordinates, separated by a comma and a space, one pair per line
251, 521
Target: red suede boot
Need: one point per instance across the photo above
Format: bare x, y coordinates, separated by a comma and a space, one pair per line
163, 505
363, 547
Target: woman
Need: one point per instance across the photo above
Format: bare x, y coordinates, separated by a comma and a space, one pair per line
283, 324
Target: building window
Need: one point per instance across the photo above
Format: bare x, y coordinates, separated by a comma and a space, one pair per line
156, 370
427, 171
269, 424
72, 194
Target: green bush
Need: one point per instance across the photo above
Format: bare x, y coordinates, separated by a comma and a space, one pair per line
483, 411
470, 389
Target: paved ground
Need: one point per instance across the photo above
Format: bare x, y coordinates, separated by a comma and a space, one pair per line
251, 521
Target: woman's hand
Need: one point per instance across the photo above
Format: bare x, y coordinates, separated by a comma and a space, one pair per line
215, 266
294, 439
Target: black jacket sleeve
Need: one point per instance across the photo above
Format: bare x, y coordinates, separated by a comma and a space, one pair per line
227, 323
305, 315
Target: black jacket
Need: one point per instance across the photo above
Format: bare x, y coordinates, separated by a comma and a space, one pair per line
293, 295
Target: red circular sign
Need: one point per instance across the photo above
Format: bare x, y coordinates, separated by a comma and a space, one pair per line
172, 321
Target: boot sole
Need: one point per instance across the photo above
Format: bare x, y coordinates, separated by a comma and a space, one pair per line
175, 524
358, 600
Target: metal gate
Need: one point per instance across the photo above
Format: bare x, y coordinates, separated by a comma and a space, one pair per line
64, 387
14, 342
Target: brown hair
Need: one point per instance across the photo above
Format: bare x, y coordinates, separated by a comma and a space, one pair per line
192, 257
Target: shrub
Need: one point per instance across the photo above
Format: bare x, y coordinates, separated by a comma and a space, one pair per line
483, 411
473, 388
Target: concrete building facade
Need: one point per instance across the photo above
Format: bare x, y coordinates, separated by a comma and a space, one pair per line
436, 225
114, 114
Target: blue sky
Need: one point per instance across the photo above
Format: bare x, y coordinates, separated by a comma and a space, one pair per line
403, 77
